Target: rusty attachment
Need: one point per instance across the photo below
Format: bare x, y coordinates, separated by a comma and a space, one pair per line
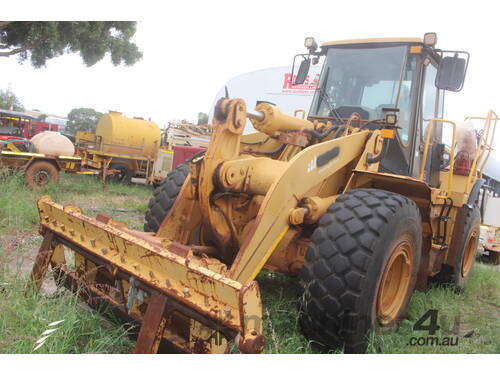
253, 344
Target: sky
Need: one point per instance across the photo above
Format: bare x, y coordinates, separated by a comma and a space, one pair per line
191, 48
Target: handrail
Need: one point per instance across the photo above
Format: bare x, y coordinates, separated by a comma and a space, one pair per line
297, 111
452, 153
485, 145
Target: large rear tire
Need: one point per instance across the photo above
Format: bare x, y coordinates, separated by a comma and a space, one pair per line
361, 268
164, 197
467, 244
41, 173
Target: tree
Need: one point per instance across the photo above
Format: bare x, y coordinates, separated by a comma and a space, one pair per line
9, 101
82, 119
202, 118
41, 41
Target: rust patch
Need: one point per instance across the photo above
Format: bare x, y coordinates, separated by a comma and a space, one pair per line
152, 326
179, 249
252, 345
200, 346
294, 138
103, 218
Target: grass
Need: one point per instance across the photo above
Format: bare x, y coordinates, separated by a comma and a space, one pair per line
23, 319
281, 327
18, 209
475, 312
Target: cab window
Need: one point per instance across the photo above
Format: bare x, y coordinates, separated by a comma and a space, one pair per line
429, 97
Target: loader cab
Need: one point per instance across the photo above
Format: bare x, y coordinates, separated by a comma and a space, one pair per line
371, 75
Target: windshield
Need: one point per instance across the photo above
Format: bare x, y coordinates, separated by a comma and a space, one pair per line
365, 80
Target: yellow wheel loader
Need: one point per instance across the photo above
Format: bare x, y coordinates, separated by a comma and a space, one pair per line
364, 200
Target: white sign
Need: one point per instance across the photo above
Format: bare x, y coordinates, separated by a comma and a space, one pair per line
272, 85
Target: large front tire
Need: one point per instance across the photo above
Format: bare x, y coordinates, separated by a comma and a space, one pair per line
361, 268
164, 197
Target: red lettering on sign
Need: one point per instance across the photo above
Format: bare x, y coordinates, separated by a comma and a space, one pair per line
304, 87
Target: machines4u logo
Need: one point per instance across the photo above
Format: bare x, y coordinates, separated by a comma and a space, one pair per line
308, 87
429, 323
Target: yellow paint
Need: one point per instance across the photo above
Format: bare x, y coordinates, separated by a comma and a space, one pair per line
69, 157
23, 154
98, 155
268, 254
169, 273
373, 40
166, 152
120, 134
452, 154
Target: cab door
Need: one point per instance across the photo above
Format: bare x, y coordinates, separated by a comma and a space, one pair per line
400, 153
430, 105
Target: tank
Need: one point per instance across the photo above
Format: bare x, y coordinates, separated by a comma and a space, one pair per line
118, 134
53, 143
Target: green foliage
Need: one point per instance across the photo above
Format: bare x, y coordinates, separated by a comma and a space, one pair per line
9, 101
470, 316
25, 317
82, 119
17, 210
202, 118
281, 327
474, 310
41, 41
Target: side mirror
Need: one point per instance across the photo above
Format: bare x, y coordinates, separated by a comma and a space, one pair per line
303, 70
451, 72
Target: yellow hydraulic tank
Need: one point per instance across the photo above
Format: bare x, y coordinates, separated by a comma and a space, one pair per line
127, 136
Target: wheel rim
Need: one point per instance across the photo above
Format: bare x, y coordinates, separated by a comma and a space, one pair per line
470, 253
395, 282
41, 178
120, 176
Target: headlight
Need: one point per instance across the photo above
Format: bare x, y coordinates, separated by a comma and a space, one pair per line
430, 39
310, 44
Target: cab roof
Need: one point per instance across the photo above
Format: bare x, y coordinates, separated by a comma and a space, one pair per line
374, 41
